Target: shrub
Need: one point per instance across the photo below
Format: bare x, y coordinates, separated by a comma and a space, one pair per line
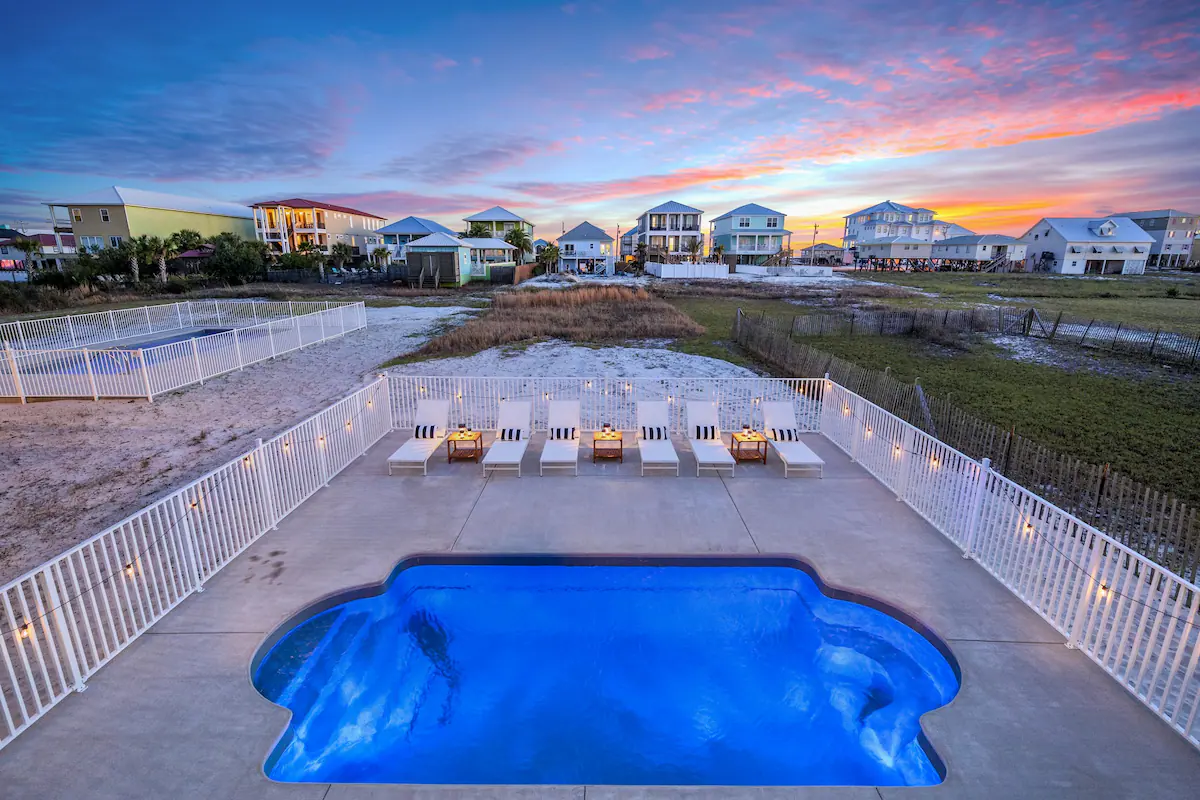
1173, 291
589, 314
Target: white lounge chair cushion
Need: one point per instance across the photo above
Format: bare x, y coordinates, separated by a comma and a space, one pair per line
509, 453
797, 454
415, 451
711, 453
561, 451
657, 451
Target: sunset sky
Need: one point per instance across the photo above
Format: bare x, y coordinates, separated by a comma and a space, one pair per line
993, 114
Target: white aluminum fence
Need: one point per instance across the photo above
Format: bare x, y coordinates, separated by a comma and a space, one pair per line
256, 331
1132, 617
475, 401
63, 621
66, 619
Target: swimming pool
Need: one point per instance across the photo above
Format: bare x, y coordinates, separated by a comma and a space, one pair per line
177, 337
607, 671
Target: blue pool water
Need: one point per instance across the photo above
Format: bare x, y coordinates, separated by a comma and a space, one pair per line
631, 674
178, 337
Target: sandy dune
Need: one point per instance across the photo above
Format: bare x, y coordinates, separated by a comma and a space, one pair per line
68, 469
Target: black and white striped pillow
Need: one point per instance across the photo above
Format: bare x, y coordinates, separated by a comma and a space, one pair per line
706, 432
510, 435
424, 431
562, 433
654, 432
786, 434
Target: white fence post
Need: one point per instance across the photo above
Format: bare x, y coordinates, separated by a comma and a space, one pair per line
179, 315
1074, 636
189, 538
254, 313
237, 346
906, 445
16, 374
321, 319
196, 358
264, 477
87, 363
271, 338
323, 449
112, 323
21, 335
60, 623
71, 330
145, 374
191, 317
855, 433
149, 324
985, 467
217, 308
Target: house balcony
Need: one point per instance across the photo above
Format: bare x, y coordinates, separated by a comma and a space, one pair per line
306, 228
752, 247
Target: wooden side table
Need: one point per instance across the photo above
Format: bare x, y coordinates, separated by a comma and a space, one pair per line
464, 446
608, 445
749, 446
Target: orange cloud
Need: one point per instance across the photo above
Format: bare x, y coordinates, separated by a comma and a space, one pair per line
843, 74
678, 180
673, 99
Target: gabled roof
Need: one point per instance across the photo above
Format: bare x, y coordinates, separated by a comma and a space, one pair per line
954, 229
750, 209
414, 225
1082, 229
822, 246
985, 238
671, 207
540, 243
140, 198
438, 239
585, 231
487, 243
1164, 212
495, 214
301, 202
634, 231
888, 205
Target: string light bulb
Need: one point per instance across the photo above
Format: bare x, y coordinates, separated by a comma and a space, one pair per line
195, 504
26, 629
1028, 528
897, 449
1103, 590
129, 570
845, 410
867, 432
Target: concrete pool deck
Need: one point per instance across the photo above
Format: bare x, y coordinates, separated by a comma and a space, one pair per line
175, 715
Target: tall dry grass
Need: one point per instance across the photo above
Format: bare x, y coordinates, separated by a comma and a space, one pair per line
589, 314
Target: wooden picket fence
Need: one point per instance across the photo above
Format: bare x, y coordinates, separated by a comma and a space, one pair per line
1156, 345
1152, 521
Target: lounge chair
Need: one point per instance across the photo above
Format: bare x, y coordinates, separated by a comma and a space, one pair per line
428, 434
654, 437
781, 431
704, 434
512, 437
561, 450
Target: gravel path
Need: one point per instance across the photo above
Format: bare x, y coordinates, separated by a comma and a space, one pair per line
72, 468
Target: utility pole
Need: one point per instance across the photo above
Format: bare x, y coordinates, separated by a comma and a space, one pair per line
812, 253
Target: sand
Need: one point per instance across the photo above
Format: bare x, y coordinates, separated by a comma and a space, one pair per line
71, 468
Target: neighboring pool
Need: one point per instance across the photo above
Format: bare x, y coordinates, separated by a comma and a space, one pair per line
617, 671
178, 337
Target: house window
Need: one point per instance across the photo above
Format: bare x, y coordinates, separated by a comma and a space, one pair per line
772, 222
115, 241
76, 215
1074, 263
1035, 237
90, 242
104, 215
743, 222
3, 251
1170, 234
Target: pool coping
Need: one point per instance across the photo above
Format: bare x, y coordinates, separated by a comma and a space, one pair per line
362, 591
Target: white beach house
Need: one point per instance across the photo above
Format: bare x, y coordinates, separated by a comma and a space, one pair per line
1080, 246
585, 250
991, 251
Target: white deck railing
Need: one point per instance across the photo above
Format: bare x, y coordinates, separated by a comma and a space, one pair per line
56, 357
64, 620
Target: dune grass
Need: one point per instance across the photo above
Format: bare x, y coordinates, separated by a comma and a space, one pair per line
594, 314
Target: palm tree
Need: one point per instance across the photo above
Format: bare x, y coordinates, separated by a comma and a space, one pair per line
313, 254
381, 256
340, 253
184, 240
549, 256
139, 250
32, 248
478, 230
161, 250
518, 237
695, 248
717, 251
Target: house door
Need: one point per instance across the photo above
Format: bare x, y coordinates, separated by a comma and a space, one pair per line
1094, 268
1114, 267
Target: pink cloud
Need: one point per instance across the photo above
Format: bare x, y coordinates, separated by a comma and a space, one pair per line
647, 52
596, 191
442, 62
1109, 55
840, 73
673, 99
